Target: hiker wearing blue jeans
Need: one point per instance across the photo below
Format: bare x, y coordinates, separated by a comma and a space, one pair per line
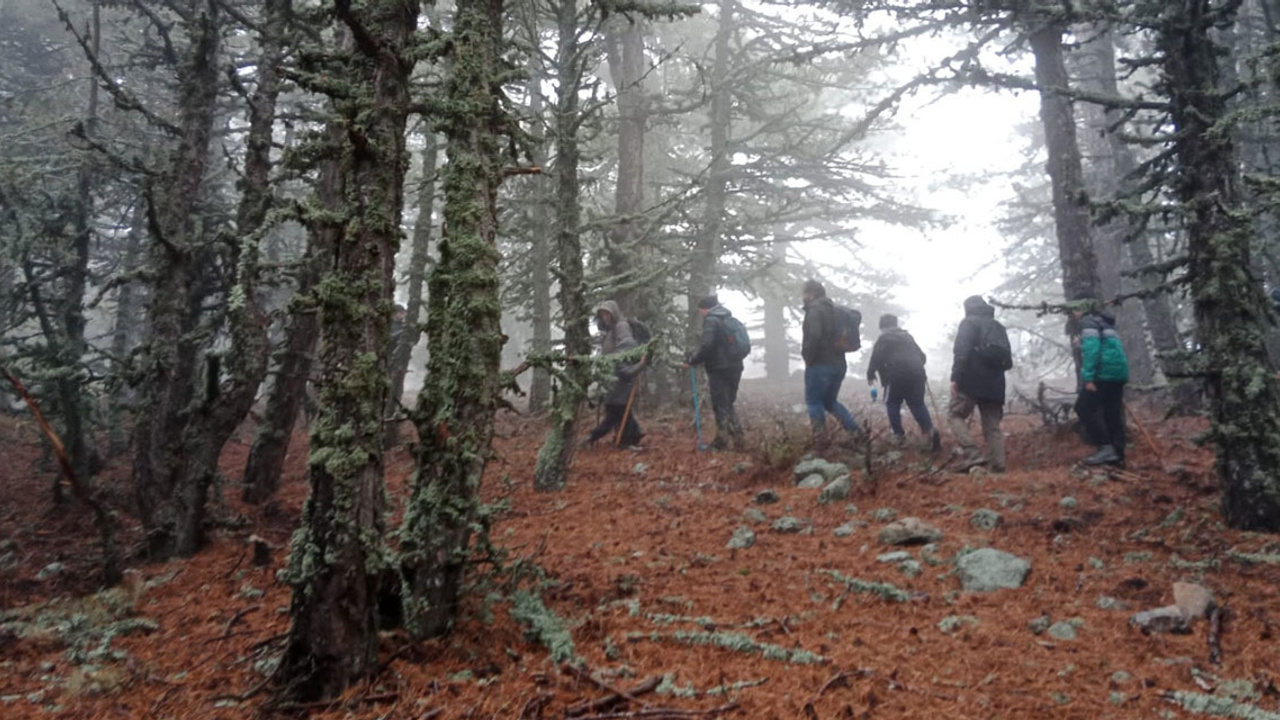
825, 366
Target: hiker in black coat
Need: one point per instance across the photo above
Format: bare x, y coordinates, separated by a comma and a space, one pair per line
724, 372
898, 362
978, 384
617, 339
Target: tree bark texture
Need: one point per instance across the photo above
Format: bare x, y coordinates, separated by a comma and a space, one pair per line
1230, 307
539, 266
339, 552
456, 406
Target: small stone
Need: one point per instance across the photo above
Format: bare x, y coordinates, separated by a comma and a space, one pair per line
787, 524
837, 489
954, 623
1162, 620
894, 557
51, 570
910, 568
1068, 503
985, 520
766, 497
850, 509
929, 553
1121, 677
1106, 602
755, 515
909, 531
1193, 600
1096, 564
844, 530
1040, 625
884, 515
988, 569
812, 482
1117, 698
1062, 630
743, 538
640, 469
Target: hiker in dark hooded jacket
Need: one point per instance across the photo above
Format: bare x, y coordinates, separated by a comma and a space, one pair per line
1104, 370
824, 364
977, 383
724, 372
617, 339
898, 362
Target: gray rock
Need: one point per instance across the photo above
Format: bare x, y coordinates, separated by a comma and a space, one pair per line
1162, 620
955, 623
743, 538
1068, 503
851, 509
845, 530
884, 514
51, 570
812, 482
1121, 677
1193, 600
818, 466
1117, 698
1106, 602
909, 531
1063, 630
1040, 625
788, 524
985, 520
755, 516
894, 557
640, 469
837, 489
910, 568
988, 569
766, 497
929, 553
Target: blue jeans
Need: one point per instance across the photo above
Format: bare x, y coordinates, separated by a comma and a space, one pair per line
822, 395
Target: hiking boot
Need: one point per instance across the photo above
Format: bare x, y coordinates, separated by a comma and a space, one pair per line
1106, 455
935, 441
966, 460
718, 445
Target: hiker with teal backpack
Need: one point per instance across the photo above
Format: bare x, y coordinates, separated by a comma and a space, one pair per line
1104, 371
830, 331
724, 346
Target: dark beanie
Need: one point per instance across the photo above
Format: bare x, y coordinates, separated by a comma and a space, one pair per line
888, 321
814, 288
708, 302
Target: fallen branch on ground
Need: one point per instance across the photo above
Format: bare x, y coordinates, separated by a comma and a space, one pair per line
664, 713
615, 696
1215, 635
840, 679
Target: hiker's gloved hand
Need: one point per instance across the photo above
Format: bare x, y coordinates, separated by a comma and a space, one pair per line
874, 393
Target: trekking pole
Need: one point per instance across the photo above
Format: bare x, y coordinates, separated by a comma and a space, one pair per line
626, 415
697, 406
1142, 429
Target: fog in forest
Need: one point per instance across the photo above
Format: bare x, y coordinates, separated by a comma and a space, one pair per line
414, 353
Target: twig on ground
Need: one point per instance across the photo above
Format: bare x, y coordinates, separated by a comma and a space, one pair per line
226, 631
840, 679
325, 704
615, 695
1215, 635
664, 713
533, 709
268, 641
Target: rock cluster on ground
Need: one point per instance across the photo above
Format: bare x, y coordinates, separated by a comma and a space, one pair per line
988, 569
828, 471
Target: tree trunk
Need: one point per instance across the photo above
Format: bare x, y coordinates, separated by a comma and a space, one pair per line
1229, 304
1161, 322
625, 55
419, 258
777, 349
338, 551
293, 364
457, 403
539, 266
172, 523
556, 455
706, 253
1070, 204
125, 332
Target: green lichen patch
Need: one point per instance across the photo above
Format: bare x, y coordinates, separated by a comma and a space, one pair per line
734, 642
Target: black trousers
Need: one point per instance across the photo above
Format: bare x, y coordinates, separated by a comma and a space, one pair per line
909, 389
724, 393
631, 434
1102, 414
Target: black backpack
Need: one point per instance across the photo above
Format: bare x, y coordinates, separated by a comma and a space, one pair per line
848, 329
640, 332
737, 340
993, 347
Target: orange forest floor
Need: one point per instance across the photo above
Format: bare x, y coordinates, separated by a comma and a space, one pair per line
637, 566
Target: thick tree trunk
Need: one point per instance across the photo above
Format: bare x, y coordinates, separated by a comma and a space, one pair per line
777, 349
556, 454
419, 258
1229, 304
1070, 203
457, 403
173, 516
124, 333
706, 252
625, 55
539, 267
338, 551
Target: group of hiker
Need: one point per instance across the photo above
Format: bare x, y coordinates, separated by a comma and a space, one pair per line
982, 355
